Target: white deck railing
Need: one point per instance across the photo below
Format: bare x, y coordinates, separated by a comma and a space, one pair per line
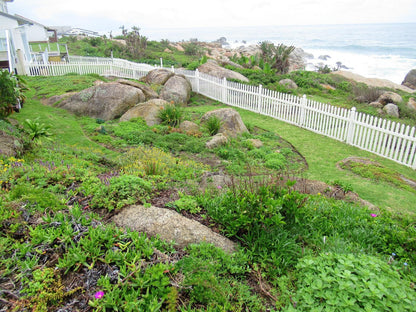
382, 137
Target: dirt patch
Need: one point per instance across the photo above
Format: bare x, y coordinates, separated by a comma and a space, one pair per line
314, 187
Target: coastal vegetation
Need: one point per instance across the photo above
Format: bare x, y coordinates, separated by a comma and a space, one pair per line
296, 251
267, 68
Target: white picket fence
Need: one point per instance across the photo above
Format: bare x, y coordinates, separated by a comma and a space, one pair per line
90, 65
382, 137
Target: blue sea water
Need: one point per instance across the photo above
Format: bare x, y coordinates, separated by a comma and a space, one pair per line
386, 51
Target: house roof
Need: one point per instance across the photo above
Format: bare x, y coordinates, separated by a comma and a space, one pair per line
20, 20
26, 20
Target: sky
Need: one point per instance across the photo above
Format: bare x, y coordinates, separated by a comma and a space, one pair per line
152, 16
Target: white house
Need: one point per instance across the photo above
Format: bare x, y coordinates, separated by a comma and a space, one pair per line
81, 32
36, 32
16, 32
13, 38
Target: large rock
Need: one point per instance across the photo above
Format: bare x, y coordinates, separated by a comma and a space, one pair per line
288, 83
372, 82
297, 59
231, 123
10, 145
170, 226
149, 111
410, 79
411, 104
216, 141
212, 68
389, 97
157, 76
177, 89
189, 127
148, 92
106, 101
391, 110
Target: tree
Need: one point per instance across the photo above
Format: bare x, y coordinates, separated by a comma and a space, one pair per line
276, 56
136, 44
123, 30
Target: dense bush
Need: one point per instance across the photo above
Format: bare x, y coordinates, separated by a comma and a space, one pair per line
214, 278
11, 94
256, 216
346, 282
364, 94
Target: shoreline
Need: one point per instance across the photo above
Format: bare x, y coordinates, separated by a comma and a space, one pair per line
372, 82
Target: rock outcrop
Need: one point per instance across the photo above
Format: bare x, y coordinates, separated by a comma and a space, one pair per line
216, 141
297, 59
411, 104
389, 97
111, 100
391, 110
372, 82
189, 127
157, 76
149, 111
170, 226
148, 92
106, 101
9, 145
212, 68
288, 83
177, 89
231, 123
410, 80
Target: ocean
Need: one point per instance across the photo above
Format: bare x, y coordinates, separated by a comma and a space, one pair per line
386, 51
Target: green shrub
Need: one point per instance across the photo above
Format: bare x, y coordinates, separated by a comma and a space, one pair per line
116, 192
214, 278
37, 199
275, 161
365, 94
185, 202
37, 130
10, 93
337, 226
346, 282
178, 142
145, 161
213, 125
192, 48
171, 115
256, 216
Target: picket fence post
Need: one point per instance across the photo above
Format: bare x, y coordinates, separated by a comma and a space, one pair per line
302, 110
224, 91
197, 80
259, 98
351, 125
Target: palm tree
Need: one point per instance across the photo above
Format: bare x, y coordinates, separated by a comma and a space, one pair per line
276, 56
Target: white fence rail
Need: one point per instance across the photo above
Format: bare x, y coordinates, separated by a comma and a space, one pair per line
382, 137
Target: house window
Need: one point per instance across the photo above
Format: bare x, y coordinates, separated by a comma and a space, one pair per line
3, 44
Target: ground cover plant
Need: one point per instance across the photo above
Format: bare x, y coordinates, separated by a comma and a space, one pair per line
59, 249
